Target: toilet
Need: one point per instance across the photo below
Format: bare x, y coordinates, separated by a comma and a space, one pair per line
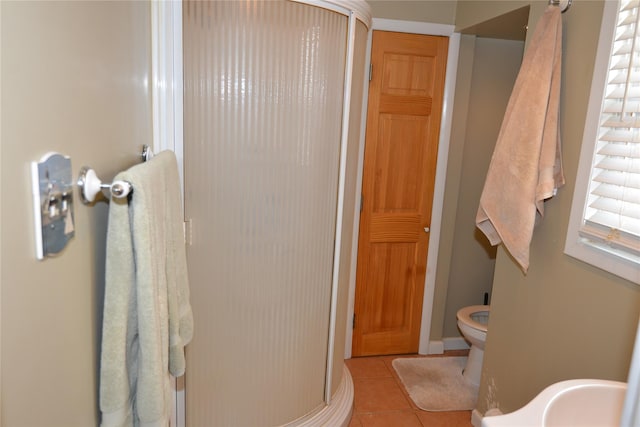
472, 322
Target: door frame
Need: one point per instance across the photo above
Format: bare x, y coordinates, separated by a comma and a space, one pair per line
426, 346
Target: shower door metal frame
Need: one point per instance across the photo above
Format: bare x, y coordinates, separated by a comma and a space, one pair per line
167, 101
166, 88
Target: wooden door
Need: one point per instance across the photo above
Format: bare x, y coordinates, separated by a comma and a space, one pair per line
403, 126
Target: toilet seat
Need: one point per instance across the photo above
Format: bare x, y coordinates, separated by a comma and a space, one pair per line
466, 312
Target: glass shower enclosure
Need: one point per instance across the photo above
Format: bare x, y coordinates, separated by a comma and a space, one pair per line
273, 96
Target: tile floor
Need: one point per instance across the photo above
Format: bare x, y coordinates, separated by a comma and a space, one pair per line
381, 400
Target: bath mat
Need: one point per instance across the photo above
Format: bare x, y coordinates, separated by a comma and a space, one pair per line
436, 383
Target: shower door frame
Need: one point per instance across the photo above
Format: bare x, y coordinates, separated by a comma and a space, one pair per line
167, 105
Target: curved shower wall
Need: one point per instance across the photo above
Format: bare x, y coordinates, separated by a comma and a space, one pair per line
265, 189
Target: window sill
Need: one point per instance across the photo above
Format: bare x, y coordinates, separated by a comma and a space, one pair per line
619, 263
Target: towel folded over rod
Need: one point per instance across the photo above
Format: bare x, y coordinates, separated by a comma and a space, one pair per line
526, 166
147, 319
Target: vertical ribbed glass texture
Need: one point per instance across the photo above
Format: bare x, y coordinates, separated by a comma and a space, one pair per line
262, 121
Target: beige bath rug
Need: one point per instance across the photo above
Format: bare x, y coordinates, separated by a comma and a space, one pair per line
436, 383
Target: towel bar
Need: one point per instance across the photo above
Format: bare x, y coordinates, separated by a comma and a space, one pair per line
90, 185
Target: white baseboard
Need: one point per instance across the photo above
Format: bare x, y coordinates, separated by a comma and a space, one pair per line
451, 343
455, 343
476, 418
435, 347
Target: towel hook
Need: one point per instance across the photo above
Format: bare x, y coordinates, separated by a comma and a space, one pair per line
147, 154
90, 185
560, 3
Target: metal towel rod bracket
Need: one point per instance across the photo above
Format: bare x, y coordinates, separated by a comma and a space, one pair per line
90, 185
567, 4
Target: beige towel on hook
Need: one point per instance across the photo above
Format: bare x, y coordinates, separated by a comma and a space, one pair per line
526, 166
147, 317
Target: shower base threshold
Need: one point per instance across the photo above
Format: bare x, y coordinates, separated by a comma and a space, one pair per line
337, 413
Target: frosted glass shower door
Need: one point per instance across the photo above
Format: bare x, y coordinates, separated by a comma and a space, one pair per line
262, 126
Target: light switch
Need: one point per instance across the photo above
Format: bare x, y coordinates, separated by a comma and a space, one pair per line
52, 187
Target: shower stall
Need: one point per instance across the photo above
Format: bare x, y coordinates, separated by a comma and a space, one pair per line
273, 99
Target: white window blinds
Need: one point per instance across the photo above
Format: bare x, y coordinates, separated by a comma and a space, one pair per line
612, 214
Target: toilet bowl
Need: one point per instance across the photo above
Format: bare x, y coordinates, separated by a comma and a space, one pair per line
472, 322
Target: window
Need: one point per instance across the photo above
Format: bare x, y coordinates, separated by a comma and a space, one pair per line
604, 228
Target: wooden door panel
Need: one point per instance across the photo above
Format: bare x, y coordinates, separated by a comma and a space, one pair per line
403, 121
398, 162
389, 304
401, 104
407, 75
395, 228
389, 326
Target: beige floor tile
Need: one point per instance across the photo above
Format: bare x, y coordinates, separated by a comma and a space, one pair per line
381, 401
367, 367
355, 421
445, 419
378, 394
390, 419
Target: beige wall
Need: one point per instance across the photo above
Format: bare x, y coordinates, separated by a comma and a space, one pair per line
452, 183
472, 12
434, 11
74, 80
495, 67
564, 319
